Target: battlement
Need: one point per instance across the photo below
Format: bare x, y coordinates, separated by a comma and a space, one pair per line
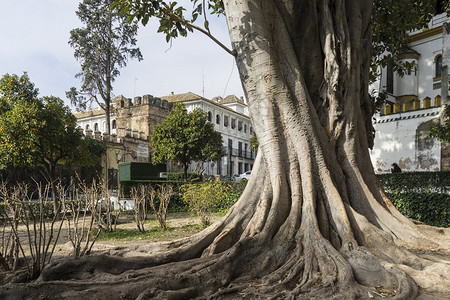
146, 100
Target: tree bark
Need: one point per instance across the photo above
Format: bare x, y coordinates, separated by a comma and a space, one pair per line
313, 221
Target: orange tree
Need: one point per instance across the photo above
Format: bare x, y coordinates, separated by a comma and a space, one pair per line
184, 137
39, 132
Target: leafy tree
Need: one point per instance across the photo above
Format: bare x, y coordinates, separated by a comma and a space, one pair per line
184, 137
14, 88
442, 131
313, 222
38, 131
390, 31
102, 46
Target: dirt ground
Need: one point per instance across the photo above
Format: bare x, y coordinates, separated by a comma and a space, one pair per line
180, 225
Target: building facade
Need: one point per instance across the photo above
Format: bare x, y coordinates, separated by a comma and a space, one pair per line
230, 117
133, 121
414, 104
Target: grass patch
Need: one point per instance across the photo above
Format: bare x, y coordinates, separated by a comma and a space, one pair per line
153, 233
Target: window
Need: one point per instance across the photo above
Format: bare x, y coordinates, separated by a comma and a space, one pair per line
438, 66
96, 127
390, 80
225, 121
239, 125
230, 144
240, 151
233, 123
209, 116
113, 125
245, 151
251, 130
245, 128
218, 119
87, 127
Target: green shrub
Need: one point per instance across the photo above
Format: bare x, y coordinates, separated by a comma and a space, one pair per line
202, 198
231, 196
422, 196
416, 182
429, 208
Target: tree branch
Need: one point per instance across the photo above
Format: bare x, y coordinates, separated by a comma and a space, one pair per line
176, 18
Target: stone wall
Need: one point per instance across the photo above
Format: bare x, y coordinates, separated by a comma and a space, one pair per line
136, 118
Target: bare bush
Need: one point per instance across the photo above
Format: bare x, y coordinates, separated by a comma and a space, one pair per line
139, 194
81, 208
107, 217
163, 194
39, 238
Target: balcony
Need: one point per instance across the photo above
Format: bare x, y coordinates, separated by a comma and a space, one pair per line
238, 153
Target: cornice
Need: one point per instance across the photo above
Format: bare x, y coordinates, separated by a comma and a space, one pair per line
425, 34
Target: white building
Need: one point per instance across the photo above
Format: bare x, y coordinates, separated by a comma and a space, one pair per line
95, 120
230, 117
133, 121
414, 104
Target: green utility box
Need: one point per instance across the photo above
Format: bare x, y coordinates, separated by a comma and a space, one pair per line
132, 171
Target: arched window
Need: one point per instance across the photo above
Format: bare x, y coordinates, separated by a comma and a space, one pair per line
87, 127
96, 127
438, 65
245, 128
217, 119
113, 124
209, 116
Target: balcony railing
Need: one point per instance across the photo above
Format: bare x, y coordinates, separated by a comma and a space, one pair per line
238, 153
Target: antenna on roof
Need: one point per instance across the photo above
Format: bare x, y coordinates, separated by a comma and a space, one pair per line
228, 81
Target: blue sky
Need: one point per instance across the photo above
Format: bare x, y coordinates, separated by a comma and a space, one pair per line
34, 38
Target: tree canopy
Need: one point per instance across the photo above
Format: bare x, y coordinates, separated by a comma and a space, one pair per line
39, 132
184, 137
390, 30
102, 46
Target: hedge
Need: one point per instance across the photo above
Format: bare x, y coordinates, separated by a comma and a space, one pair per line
416, 182
422, 196
429, 208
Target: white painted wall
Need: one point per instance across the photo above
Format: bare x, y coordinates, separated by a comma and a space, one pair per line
396, 141
92, 120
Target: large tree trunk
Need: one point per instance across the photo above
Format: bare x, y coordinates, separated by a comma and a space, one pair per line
312, 221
